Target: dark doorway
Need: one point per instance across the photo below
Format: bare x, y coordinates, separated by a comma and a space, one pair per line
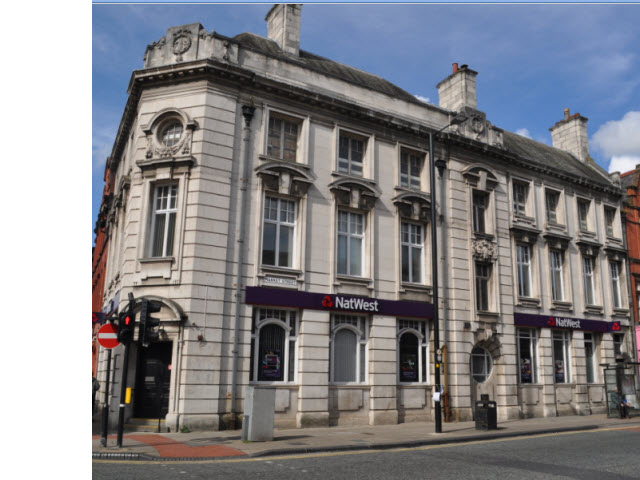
152, 383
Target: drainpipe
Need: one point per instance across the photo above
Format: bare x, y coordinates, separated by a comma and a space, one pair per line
247, 113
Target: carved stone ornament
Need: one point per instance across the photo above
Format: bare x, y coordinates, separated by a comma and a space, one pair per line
477, 125
484, 250
181, 43
182, 147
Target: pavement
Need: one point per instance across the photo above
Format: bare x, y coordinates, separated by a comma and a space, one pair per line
224, 444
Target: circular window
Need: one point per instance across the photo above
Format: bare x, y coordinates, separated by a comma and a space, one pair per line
171, 133
481, 364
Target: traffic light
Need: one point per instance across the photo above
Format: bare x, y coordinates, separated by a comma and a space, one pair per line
148, 334
126, 323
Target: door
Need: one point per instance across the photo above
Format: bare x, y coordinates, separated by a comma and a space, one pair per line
152, 385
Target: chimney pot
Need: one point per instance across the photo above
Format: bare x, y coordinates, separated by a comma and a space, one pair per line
566, 114
455, 67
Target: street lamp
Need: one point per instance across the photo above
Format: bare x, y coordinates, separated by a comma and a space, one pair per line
437, 353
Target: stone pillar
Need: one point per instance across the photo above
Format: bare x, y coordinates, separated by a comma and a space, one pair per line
383, 408
313, 370
546, 376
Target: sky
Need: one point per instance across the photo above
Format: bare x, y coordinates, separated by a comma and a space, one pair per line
532, 60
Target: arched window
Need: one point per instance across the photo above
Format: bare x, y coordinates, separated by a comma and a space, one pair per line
348, 348
481, 364
413, 358
274, 339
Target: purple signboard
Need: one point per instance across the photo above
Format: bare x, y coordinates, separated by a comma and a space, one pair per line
530, 320
337, 302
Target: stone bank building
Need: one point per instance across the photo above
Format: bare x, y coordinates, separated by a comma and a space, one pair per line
277, 204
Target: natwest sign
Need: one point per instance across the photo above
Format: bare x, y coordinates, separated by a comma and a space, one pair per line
337, 302
531, 320
356, 304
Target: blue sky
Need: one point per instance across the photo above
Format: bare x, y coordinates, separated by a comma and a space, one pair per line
533, 60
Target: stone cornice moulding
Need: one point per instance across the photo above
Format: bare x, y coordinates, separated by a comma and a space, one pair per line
207, 68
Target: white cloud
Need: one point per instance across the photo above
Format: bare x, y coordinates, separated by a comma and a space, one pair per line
624, 163
620, 140
524, 132
423, 99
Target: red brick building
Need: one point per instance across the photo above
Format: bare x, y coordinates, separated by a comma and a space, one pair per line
99, 261
631, 183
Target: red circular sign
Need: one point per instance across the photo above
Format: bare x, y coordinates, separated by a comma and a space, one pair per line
108, 336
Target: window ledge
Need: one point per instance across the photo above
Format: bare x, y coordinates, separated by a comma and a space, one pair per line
482, 235
172, 160
354, 280
413, 384
594, 309
277, 383
620, 312
490, 316
419, 287
283, 270
528, 302
519, 217
563, 306
353, 385
157, 260
556, 226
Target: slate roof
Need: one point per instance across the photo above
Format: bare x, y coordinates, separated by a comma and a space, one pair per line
527, 149
541, 154
326, 67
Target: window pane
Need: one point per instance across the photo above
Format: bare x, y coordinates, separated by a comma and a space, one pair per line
170, 229
589, 357
408, 358
286, 246
405, 263
271, 353
481, 364
587, 265
526, 361
344, 356
355, 262
342, 254
559, 360
158, 236
478, 212
269, 244
416, 265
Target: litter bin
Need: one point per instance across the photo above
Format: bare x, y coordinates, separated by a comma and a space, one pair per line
486, 414
259, 410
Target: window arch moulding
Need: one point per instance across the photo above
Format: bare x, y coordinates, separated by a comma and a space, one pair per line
285, 178
355, 193
413, 205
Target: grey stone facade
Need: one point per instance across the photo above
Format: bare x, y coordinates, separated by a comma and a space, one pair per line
199, 129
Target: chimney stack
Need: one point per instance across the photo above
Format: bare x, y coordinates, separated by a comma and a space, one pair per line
570, 135
458, 90
283, 26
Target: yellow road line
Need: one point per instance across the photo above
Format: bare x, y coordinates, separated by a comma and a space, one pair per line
361, 452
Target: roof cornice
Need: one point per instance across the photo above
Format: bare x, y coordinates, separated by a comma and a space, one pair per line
235, 77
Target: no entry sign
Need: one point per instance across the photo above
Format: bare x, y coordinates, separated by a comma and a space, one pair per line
108, 336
